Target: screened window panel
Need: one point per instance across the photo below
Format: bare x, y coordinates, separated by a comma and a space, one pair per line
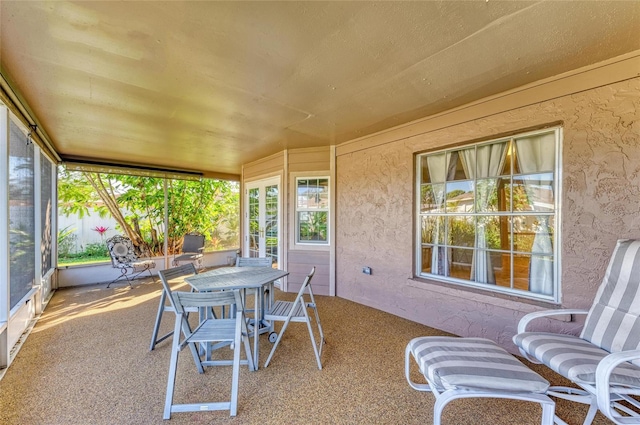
21, 215
46, 187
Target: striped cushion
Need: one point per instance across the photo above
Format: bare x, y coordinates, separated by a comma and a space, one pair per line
473, 363
573, 358
613, 323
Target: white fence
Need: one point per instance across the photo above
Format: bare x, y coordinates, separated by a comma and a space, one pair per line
83, 229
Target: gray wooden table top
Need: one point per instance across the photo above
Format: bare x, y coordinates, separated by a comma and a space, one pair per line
235, 278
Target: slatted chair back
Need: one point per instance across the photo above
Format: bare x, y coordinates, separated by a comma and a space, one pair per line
254, 262
257, 262
613, 322
184, 300
168, 277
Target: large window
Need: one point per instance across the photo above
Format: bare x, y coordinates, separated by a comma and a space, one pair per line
96, 205
488, 213
312, 210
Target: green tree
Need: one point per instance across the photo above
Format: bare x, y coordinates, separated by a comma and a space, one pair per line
209, 207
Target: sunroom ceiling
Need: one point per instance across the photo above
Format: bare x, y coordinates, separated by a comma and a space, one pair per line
209, 86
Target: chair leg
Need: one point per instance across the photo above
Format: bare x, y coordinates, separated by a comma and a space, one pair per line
156, 326
192, 346
322, 341
247, 346
123, 273
233, 408
275, 345
173, 365
152, 276
313, 341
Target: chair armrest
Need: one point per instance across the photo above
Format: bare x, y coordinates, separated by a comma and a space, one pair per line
522, 324
603, 373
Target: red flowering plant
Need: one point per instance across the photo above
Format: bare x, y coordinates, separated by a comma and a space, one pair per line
101, 229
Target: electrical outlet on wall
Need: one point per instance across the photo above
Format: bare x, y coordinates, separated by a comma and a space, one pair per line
366, 270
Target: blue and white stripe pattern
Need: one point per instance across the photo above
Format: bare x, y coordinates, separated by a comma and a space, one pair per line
473, 363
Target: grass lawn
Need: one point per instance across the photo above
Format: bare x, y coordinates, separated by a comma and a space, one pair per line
71, 261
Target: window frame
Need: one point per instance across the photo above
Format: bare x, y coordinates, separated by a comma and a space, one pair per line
555, 297
296, 210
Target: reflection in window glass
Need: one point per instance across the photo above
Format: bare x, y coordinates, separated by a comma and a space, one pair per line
460, 196
533, 192
497, 230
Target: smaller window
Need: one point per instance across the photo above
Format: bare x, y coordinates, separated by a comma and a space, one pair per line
312, 210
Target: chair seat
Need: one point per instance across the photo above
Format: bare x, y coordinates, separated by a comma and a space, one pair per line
141, 265
452, 363
282, 309
186, 257
574, 358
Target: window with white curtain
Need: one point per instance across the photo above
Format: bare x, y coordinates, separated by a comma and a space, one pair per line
487, 215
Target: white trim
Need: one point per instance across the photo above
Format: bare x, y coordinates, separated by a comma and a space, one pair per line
263, 183
419, 273
332, 221
293, 199
5, 294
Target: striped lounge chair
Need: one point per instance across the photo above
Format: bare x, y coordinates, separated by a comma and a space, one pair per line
604, 361
473, 367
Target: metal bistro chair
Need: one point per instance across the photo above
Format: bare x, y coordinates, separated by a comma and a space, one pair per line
124, 258
297, 311
222, 332
192, 250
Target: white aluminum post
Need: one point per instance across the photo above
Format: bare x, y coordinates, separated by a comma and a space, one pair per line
5, 294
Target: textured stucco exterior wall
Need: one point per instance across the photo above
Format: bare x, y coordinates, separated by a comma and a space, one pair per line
600, 203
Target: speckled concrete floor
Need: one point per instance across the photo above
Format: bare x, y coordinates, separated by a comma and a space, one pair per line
87, 361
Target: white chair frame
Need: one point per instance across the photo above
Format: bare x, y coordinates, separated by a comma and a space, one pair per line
609, 340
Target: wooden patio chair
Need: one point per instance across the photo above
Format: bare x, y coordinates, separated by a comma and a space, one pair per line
222, 332
297, 311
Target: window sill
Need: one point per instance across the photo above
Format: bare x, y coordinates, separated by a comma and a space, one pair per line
498, 299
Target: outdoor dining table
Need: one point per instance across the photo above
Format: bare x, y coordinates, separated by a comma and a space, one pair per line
242, 278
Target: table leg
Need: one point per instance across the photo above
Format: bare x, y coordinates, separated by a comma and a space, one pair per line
256, 325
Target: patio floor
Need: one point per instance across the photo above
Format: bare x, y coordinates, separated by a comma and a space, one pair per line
88, 361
